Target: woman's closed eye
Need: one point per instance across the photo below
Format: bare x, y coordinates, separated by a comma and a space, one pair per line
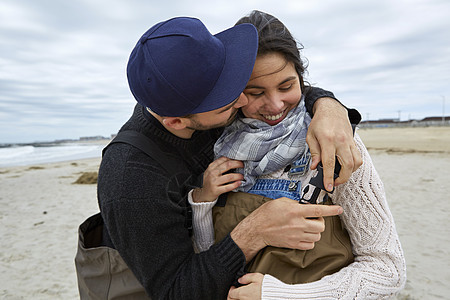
285, 88
255, 93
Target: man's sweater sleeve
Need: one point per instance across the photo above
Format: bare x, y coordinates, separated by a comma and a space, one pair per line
312, 94
146, 221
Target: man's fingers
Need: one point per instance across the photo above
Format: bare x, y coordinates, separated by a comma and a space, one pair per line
357, 159
315, 160
350, 161
346, 161
320, 210
315, 225
314, 148
305, 246
328, 163
311, 237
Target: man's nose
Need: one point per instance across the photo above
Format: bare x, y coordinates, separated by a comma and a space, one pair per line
242, 101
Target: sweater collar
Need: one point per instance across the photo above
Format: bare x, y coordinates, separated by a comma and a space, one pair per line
153, 127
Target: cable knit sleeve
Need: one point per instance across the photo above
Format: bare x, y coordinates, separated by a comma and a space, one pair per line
379, 269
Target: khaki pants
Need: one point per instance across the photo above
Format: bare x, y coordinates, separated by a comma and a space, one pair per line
328, 256
101, 271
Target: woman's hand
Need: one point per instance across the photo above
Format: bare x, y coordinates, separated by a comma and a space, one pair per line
330, 135
251, 289
215, 182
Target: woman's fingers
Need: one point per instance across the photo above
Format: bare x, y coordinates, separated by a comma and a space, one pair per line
223, 165
251, 277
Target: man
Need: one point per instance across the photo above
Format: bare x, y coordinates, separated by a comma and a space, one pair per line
188, 84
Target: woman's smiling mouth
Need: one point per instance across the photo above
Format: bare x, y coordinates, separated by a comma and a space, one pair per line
274, 119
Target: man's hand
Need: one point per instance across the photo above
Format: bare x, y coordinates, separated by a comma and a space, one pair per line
330, 135
251, 289
215, 182
282, 223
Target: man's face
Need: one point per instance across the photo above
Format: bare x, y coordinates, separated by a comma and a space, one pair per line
220, 117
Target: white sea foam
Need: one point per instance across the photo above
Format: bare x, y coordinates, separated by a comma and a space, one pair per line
28, 155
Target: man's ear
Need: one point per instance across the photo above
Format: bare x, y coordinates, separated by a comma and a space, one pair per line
176, 123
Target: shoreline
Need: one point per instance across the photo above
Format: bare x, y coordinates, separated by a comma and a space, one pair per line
43, 154
56, 143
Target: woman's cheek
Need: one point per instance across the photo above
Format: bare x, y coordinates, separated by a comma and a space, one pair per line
245, 111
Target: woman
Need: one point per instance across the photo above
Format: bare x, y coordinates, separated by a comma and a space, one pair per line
274, 92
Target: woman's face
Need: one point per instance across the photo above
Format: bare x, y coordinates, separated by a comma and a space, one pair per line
273, 89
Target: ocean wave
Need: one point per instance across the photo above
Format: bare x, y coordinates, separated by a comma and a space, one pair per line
27, 155
14, 152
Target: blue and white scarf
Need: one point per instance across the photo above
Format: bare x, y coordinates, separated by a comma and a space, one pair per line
263, 148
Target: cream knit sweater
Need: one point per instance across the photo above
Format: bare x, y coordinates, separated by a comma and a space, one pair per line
379, 269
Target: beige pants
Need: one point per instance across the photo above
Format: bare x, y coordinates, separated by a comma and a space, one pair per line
329, 255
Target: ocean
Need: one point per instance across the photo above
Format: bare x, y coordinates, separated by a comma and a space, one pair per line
29, 155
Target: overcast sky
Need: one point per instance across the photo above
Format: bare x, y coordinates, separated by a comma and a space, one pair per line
62, 63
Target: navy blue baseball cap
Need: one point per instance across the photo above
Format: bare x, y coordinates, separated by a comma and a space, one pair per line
178, 67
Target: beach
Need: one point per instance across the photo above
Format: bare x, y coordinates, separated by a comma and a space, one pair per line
41, 208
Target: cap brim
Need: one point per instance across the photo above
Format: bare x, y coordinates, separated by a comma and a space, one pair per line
241, 47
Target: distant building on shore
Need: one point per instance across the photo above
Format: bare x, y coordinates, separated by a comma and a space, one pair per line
428, 121
92, 138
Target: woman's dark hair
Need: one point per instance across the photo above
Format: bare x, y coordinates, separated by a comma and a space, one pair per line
273, 36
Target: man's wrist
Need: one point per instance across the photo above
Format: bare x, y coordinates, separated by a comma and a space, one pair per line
327, 103
248, 238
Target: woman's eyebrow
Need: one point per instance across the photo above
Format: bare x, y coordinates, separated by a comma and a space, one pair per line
252, 86
288, 79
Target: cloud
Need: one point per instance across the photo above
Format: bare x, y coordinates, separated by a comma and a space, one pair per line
62, 69
382, 57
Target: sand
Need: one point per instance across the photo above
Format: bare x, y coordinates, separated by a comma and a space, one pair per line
41, 208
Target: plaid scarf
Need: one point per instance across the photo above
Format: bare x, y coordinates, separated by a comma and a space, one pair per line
263, 148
